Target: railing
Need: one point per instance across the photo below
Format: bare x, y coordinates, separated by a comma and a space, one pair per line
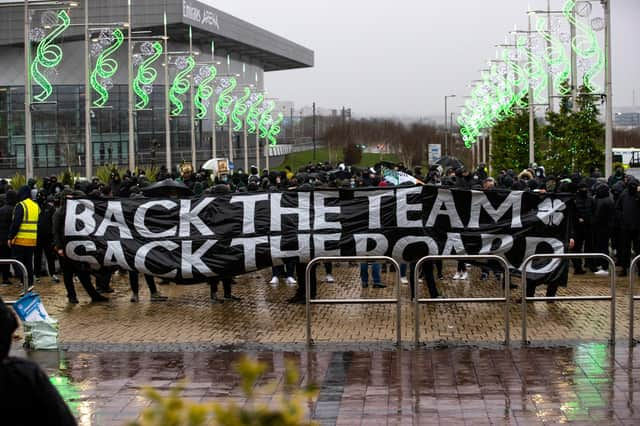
505, 299
632, 297
25, 276
310, 301
611, 298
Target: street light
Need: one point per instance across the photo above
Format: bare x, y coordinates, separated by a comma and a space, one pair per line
446, 124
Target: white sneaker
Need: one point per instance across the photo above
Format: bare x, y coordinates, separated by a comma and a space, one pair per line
456, 276
464, 275
404, 280
420, 280
329, 278
291, 281
55, 278
274, 281
601, 271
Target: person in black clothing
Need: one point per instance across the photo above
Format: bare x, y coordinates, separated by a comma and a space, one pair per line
44, 243
583, 231
68, 268
6, 217
27, 397
628, 207
603, 224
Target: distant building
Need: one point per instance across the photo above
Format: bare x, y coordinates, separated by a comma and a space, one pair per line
627, 119
242, 50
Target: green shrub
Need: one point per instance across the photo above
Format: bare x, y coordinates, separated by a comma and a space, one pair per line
18, 180
172, 410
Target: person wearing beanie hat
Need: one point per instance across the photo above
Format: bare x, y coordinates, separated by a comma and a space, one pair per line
23, 233
27, 396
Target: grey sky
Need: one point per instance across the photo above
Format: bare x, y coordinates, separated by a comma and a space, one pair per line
401, 57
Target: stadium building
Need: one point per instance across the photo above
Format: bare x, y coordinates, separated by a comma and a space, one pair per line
237, 49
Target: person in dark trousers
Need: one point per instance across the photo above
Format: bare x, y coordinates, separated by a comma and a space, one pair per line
44, 244
151, 284
583, 230
427, 273
6, 217
226, 289
27, 396
628, 207
603, 225
301, 291
23, 232
68, 268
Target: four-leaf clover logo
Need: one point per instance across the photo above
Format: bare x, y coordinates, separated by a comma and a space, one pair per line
550, 211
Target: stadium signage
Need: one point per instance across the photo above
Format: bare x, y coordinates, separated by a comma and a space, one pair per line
199, 14
192, 239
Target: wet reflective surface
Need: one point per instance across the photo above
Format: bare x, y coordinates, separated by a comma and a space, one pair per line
587, 383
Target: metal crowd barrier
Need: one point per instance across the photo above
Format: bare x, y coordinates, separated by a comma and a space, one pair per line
611, 298
505, 299
25, 276
632, 297
310, 301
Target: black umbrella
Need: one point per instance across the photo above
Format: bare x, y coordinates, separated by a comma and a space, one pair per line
167, 188
450, 162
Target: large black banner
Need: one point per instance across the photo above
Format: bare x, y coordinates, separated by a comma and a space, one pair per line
191, 239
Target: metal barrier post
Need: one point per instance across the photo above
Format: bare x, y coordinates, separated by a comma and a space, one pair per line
505, 299
25, 277
611, 298
310, 301
632, 297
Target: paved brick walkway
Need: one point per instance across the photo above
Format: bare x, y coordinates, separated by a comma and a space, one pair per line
264, 316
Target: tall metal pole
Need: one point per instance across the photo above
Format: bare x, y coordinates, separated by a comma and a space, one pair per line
314, 131
167, 104
88, 148
230, 130
132, 144
28, 142
549, 71
192, 128
257, 148
246, 147
214, 151
484, 148
532, 138
574, 63
608, 131
446, 127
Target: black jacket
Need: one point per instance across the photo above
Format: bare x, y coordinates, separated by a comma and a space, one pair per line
628, 207
584, 208
45, 223
6, 217
27, 397
57, 225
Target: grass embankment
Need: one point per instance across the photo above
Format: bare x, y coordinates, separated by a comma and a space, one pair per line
298, 159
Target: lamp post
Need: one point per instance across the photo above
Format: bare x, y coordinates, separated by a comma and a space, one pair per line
608, 130
28, 142
446, 124
167, 120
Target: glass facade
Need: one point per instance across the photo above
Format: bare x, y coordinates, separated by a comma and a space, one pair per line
59, 126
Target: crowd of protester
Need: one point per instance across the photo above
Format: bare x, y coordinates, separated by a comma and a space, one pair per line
32, 220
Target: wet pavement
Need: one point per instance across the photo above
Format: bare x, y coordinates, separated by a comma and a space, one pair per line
464, 375
582, 384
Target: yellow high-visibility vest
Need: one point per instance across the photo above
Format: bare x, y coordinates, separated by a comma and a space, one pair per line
28, 233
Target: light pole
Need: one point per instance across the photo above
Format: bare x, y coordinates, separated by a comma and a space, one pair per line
167, 105
28, 143
446, 124
608, 130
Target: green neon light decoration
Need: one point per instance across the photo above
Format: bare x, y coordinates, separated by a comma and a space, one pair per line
274, 130
240, 109
556, 57
223, 106
146, 75
105, 68
204, 92
585, 44
535, 72
253, 116
265, 119
181, 85
48, 55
